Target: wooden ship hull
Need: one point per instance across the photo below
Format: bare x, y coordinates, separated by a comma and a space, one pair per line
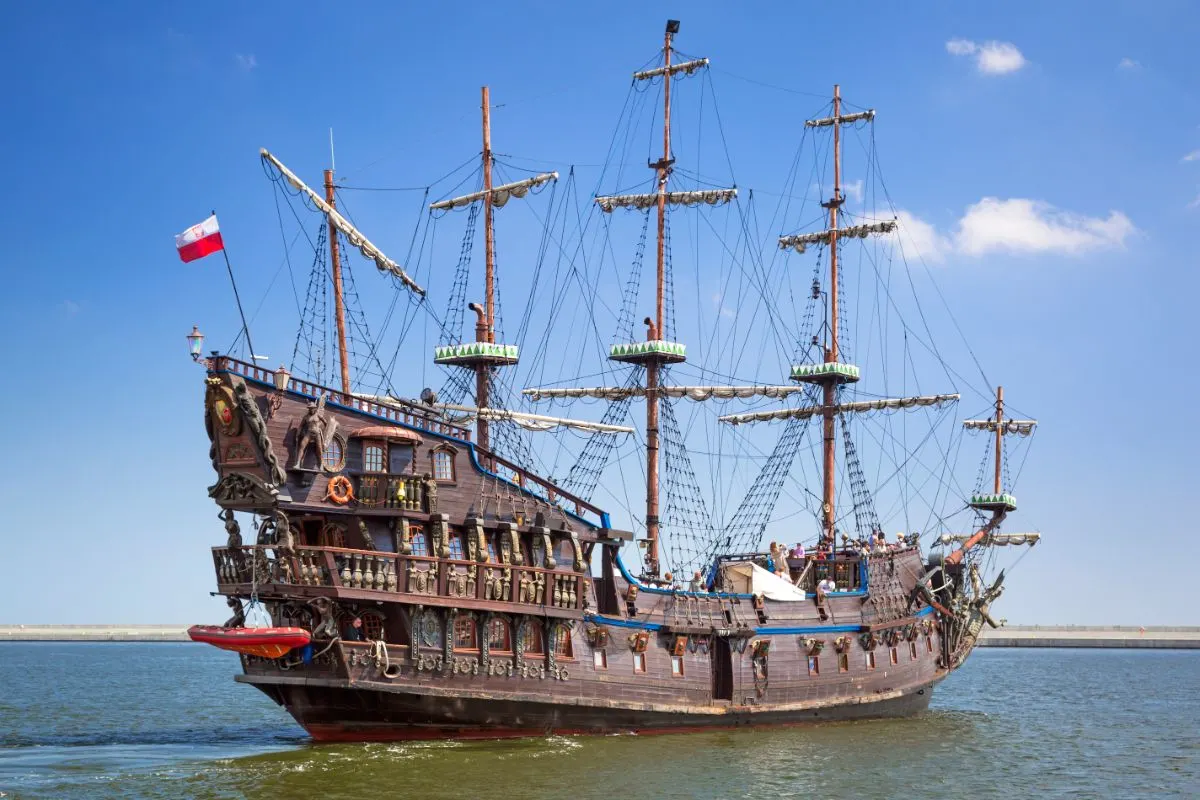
480, 617
450, 592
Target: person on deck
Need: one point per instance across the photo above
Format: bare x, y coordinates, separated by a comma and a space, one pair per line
780, 556
354, 632
697, 584
798, 550
825, 587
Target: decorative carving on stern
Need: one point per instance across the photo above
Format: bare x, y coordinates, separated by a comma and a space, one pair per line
244, 491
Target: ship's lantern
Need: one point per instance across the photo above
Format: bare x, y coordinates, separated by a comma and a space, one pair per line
195, 342
281, 377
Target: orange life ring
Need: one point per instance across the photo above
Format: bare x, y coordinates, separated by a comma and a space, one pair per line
341, 491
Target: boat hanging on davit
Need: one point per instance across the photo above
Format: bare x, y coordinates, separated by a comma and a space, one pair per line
423, 575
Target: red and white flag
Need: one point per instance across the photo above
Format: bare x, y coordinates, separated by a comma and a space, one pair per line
200, 240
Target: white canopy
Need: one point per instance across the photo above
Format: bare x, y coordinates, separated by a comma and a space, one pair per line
749, 578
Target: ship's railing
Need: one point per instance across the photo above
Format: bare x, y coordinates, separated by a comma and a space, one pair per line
404, 413
381, 490
845, 570
540, 486
263, 566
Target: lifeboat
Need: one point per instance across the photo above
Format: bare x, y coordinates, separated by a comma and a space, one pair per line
265, 642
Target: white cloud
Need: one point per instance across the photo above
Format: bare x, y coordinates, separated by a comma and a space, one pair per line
1015, 225
1034, 226
1192, 156
1195, 203
919, 237
69, 307
991, 57
961, 47
854, 189
1129, 63
246, 61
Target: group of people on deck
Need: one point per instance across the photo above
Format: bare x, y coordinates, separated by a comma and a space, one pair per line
874, 544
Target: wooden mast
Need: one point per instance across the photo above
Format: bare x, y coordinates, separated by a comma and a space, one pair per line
999, 432
485, 330
831, 352
656, 327
339, 305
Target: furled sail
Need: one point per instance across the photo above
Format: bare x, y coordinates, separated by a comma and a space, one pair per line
1020, 427
500, 194
686, 392
643, 201
353, 235
687, 67
801, 241
993, 539
534, 422
840, 119
805, 412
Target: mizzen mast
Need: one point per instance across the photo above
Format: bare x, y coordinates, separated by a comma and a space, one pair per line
339, 305
484, 355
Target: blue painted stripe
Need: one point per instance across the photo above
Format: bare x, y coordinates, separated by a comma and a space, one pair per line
623, 623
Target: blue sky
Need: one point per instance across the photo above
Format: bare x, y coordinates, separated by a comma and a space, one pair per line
1046, 158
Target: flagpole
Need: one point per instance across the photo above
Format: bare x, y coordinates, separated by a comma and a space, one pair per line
236, 296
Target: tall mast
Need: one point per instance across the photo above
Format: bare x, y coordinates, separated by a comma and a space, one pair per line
485, 329
484, 355
339, 306
999, 433
657, 327
831, 352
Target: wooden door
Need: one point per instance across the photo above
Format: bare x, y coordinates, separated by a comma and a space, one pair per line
722, 669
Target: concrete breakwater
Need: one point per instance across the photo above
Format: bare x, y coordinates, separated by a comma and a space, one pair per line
1009, 636
1121, 636
93, 633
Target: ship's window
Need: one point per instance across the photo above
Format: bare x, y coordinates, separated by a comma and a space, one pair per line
333, 457
912, 650
639, 662
498, 636
464, 633
895, 656
457, 551
929, 643
532, 638
333, 534
400, 459
600, 659
870, 659
565, 554
491, 547
443, 464
677, 666
373, 457
843, 662
418, 541
814, 665
562, 641
372, 627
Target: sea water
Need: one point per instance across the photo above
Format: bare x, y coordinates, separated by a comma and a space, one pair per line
166, 720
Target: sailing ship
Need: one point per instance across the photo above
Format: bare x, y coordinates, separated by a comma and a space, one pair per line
442, 586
